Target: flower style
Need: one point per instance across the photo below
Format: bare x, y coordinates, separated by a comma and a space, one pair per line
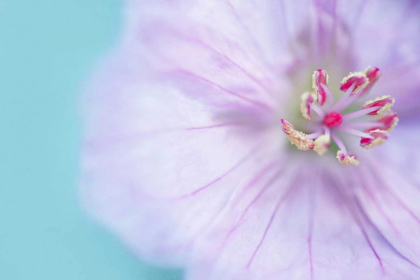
187, 153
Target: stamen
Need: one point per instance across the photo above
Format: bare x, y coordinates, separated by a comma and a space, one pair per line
297, 138
330, 96
318, 111
347, 159
351, 99
366, 125
320, 77
327, 131
378, 137
355, 132
373, 74
339, 143
383, 104
322, 144
307, 99
387, 123
360, 113
332, 119
315, 134
343, 101
359, 78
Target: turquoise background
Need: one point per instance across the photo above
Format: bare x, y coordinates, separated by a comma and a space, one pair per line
48, 48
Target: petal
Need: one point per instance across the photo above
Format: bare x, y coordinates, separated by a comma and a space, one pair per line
390, 43
178, 119
211, 43
246, 33
297, 227
375, 35
160, 164
390, 194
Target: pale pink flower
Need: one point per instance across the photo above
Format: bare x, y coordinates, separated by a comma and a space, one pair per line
187, 156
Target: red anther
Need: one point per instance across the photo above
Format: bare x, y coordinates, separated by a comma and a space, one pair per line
347, 159
359, 79
297, 138
286, 126
385, 103
305, 104
379, 137
386, 123
373, 74
333, 119
320, 77
389, 121
365, 141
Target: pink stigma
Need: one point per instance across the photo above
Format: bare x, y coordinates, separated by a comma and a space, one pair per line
333, 119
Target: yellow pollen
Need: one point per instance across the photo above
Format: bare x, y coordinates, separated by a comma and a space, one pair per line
314, 85
297, 138
322, 144
347, 159
394, 124
356, 74
385, 109
304, 104
372, 133
377, 141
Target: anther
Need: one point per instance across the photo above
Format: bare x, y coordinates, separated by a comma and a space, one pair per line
358, 78
297, 138
373, 74
322, 144
307, 99
383, 103
386, 123
320, 77
379, 137
347, 159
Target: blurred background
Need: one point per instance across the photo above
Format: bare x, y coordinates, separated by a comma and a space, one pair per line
48, 49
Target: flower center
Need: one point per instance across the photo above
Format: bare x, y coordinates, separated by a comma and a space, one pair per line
329, 118
333, 119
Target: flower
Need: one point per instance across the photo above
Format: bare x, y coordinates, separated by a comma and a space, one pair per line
331, 116
187, 156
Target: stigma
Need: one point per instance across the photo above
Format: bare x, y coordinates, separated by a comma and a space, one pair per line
330, 122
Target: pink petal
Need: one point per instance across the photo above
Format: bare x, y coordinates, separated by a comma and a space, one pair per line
178, 118
391, 194
297, 229
396, 54
238, 35
160, 163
